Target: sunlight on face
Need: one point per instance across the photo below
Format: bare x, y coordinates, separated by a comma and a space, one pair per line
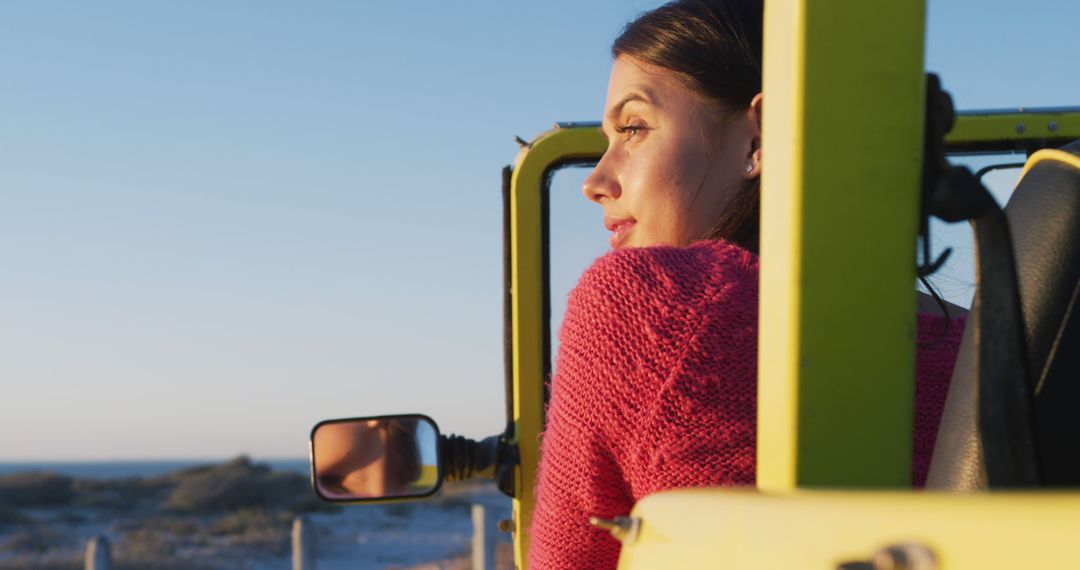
671, 164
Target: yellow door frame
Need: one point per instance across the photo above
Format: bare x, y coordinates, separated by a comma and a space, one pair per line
528, 302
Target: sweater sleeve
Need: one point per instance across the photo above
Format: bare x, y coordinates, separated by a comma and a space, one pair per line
628, 327
579, 476
937, 343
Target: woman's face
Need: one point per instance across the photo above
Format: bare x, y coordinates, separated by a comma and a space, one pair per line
671, 165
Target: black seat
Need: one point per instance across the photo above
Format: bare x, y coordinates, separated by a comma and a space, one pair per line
1044, 219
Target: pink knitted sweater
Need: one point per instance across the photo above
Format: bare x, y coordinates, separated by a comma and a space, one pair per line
656, 388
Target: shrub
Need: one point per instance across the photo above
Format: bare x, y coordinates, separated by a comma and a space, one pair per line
240, 484
37, 540
145, 544
269, 532
11, 517
179, 526
215, 490
35, 489
120, 494
40, 563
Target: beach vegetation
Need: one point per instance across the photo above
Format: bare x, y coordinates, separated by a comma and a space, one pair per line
203, 513
36, 489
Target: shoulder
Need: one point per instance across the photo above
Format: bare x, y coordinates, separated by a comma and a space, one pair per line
939, 335
937, 342
655, 277
636, 309
658, 351
928, 305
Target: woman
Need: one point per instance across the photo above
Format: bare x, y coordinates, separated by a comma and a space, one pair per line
656, 377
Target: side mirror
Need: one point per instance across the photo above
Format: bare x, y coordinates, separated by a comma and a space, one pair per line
375, 458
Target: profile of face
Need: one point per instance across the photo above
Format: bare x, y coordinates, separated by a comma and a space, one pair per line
673, 161
366, 459
352, 459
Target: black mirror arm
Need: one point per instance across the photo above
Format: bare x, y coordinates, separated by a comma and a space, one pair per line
463, 458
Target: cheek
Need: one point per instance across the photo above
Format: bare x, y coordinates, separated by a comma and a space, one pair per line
663, 181
658, 178
719, 184
689, 188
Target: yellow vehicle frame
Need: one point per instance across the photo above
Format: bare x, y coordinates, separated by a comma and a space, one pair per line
843, 136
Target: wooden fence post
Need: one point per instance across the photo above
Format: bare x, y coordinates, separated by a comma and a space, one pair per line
483, 542
98, 555
303, 544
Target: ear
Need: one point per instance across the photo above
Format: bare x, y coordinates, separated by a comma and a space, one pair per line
753, 114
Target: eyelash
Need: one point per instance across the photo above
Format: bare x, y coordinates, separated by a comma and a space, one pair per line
632, 129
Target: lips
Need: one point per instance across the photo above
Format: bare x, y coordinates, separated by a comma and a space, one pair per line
619, 227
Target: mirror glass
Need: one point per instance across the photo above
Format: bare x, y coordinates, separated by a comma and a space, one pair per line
375, 458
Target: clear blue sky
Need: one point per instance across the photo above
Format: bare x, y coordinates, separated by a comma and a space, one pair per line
221, 222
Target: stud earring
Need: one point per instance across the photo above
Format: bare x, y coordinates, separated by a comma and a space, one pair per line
750, 167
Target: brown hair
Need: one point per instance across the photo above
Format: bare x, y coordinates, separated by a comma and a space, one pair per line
714, 47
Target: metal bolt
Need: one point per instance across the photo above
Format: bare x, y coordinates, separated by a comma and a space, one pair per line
623, 528
1020, 128
1052, 126
905, 557
506, 525
895, 557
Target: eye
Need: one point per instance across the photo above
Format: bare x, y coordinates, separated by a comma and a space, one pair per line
630, 130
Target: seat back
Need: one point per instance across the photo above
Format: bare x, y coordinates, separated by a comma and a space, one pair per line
1044, 219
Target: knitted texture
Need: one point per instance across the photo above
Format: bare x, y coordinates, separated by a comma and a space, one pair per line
655, 388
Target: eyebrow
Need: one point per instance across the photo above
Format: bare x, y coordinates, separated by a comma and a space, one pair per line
632, 96
617, 108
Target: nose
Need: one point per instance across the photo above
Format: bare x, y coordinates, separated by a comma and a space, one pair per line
602, 183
